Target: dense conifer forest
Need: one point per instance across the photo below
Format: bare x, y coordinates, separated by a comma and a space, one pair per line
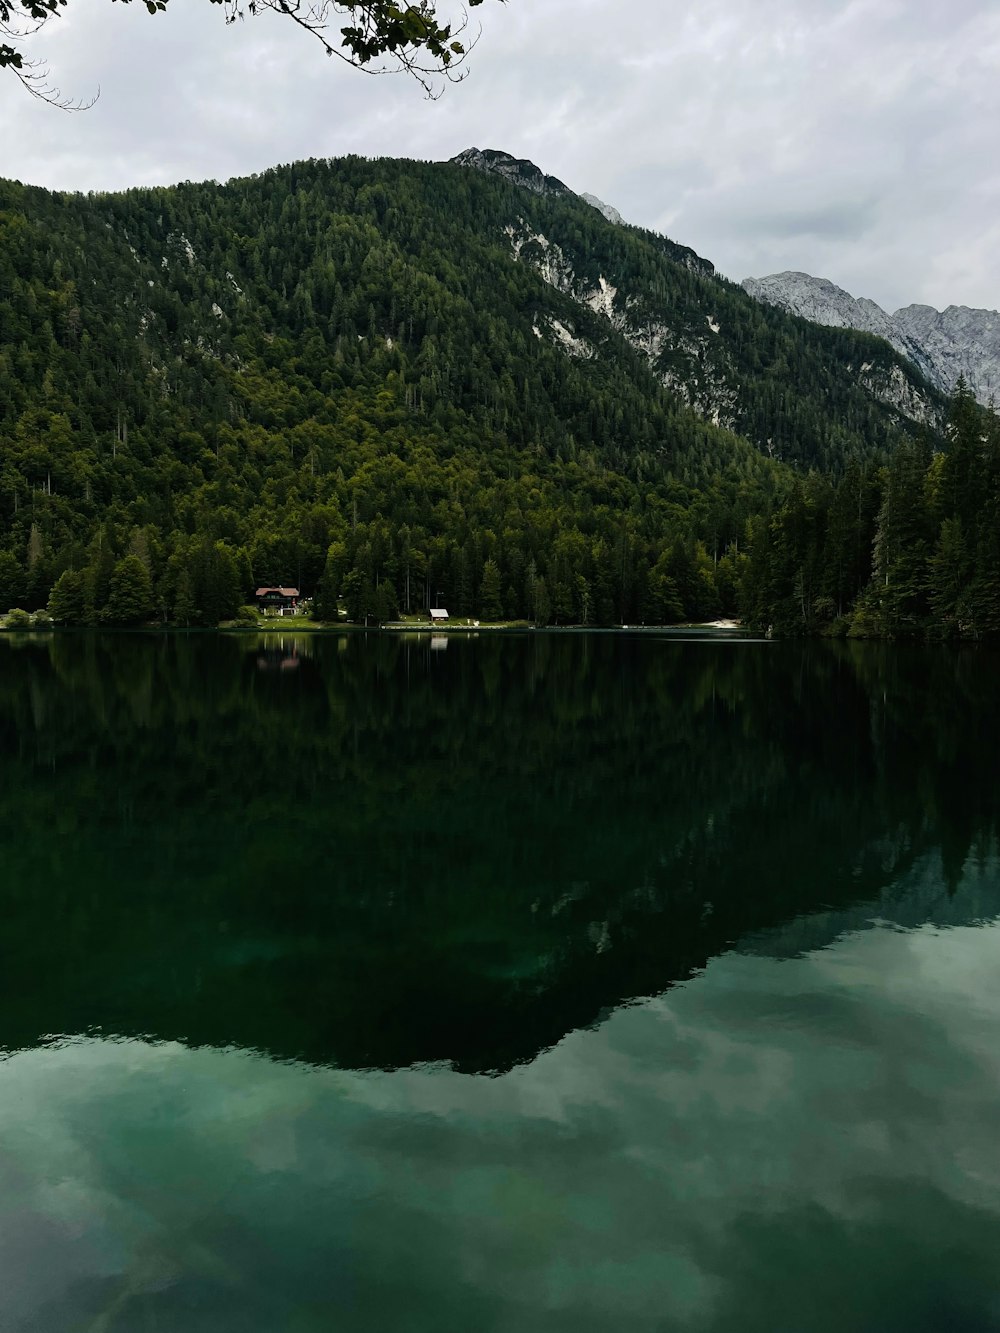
346, 376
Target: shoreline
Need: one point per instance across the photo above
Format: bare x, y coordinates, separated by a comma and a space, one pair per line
720, 629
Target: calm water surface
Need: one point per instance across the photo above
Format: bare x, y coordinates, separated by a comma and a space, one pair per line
550, 983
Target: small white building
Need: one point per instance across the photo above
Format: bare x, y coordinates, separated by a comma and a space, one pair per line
438, 613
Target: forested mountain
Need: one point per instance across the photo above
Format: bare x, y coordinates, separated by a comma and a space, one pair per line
390, 381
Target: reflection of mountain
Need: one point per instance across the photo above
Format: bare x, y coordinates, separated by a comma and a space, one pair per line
389, 856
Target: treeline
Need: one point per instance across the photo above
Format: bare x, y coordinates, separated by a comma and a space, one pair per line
564, 578
200, 582
376, 572
908, 550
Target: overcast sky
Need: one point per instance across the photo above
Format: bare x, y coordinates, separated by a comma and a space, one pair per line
852, 139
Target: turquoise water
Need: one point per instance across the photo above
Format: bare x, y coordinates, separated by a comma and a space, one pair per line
545, 982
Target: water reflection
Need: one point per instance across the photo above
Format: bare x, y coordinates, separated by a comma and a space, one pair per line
388, 856
280, 916
801, 1145
276, 653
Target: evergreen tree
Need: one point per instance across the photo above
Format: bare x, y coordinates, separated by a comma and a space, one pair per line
541, 607
12, 581
131, 598
98, 576
68, 599
490, 600
948, 574
384, 607
185, 608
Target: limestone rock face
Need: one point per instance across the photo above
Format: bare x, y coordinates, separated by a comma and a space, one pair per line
942, 344
608, 210
957, 341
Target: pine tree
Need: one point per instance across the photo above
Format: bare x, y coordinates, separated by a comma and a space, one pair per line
12, 581
131, 598
490, 600
68, 598
184, 603
384, 608
98, 578
541, 607
948, 573
902, 543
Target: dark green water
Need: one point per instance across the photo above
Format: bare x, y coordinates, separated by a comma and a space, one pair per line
569, 983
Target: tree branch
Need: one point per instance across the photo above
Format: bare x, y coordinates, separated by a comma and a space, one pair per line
379, 37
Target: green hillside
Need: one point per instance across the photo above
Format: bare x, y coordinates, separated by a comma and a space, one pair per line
355, 377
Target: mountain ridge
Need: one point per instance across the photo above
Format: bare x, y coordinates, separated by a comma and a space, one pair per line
694, 365
945, 345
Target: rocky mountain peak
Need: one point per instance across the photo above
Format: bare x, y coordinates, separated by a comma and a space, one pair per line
820, 300
942, 344
959, 341
518, 170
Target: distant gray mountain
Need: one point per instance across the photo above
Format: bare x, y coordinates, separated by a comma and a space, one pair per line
957, 341
942, 344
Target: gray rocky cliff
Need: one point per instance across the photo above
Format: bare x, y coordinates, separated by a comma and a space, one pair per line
608, 210
942, 344
519, 171
957, 341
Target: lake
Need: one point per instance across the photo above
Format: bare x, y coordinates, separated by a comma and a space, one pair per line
556, 982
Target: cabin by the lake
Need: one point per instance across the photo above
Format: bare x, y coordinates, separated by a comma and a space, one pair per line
277, 601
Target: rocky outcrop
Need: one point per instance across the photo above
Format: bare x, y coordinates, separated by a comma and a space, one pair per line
607, 210
957, 341
943, 345
687, 349
891, 385
687, 363
517, 170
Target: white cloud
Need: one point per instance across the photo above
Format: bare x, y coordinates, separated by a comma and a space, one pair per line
850, 138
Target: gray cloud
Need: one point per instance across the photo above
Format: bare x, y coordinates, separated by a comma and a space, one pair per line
849, 138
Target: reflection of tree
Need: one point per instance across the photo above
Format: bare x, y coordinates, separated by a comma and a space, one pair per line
389, 855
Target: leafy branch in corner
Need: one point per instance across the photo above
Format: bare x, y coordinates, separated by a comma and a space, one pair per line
378, 37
